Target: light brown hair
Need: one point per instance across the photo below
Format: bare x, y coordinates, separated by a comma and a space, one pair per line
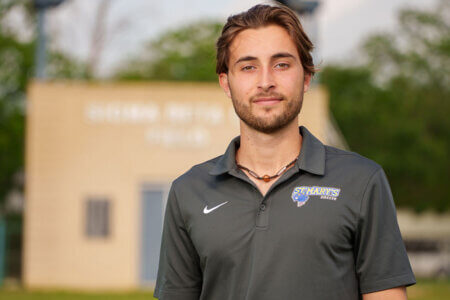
260, 16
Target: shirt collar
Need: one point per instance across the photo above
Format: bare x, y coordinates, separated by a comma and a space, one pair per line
311, 158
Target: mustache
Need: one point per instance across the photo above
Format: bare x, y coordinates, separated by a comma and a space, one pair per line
267, 95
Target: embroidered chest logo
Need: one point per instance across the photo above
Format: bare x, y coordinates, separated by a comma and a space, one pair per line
207, 210
301, 194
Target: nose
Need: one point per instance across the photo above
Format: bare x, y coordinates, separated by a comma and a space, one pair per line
266, 79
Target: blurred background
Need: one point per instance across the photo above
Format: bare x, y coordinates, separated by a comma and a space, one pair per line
104, 102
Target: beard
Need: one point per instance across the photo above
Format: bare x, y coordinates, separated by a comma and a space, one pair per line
291, 109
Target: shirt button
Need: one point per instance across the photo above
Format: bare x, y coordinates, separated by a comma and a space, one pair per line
262, 207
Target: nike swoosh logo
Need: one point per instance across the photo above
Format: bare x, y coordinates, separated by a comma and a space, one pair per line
207, 211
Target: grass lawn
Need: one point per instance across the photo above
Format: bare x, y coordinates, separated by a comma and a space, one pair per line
430, 290
53, 295
423, 290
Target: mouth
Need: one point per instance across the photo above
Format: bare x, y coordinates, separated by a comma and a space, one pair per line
267, 100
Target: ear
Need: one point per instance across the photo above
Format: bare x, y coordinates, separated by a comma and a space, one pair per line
223, 81
307, 82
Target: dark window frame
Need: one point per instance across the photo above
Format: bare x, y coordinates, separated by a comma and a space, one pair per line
97, 220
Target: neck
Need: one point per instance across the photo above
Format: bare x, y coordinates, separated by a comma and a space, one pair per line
267, 153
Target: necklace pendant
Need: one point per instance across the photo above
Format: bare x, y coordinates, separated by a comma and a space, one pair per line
266, 178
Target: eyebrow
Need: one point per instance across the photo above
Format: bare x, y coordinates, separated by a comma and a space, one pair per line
275, 56
283, 54
245, 58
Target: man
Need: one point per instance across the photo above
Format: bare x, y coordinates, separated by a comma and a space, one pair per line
279, 215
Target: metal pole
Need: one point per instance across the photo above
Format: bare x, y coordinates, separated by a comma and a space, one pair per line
41, 55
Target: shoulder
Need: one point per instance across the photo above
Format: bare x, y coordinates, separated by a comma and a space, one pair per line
351, 169
357, 175
347, 160
197, 174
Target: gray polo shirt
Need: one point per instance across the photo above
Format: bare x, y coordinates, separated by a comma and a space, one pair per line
326, 229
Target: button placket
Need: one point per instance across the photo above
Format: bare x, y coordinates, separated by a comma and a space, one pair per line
262, 218
262, 207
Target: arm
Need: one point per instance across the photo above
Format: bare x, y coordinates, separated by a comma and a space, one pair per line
381, 261
398, 293
179, 272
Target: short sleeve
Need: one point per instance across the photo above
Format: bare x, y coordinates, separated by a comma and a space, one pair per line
179, 274
381, 259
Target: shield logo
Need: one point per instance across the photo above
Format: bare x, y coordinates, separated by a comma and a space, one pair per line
300, 196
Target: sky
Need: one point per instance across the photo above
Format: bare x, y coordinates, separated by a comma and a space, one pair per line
342, 24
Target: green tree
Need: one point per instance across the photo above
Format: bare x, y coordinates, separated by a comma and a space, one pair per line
16, 60
394, 109
186, 54
16, 70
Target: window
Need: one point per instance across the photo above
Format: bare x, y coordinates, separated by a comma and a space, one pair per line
97, 217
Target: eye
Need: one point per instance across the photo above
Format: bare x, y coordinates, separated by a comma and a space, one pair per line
247, 68
282, 66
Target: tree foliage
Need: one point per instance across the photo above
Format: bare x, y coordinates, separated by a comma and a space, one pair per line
16, 60
395, 108
16, 70
186, 54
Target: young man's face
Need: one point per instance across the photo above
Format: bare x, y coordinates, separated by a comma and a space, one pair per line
265, 78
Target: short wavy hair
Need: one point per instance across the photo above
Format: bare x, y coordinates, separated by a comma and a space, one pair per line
260, 16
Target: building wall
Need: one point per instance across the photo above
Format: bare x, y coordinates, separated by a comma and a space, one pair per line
110, 140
